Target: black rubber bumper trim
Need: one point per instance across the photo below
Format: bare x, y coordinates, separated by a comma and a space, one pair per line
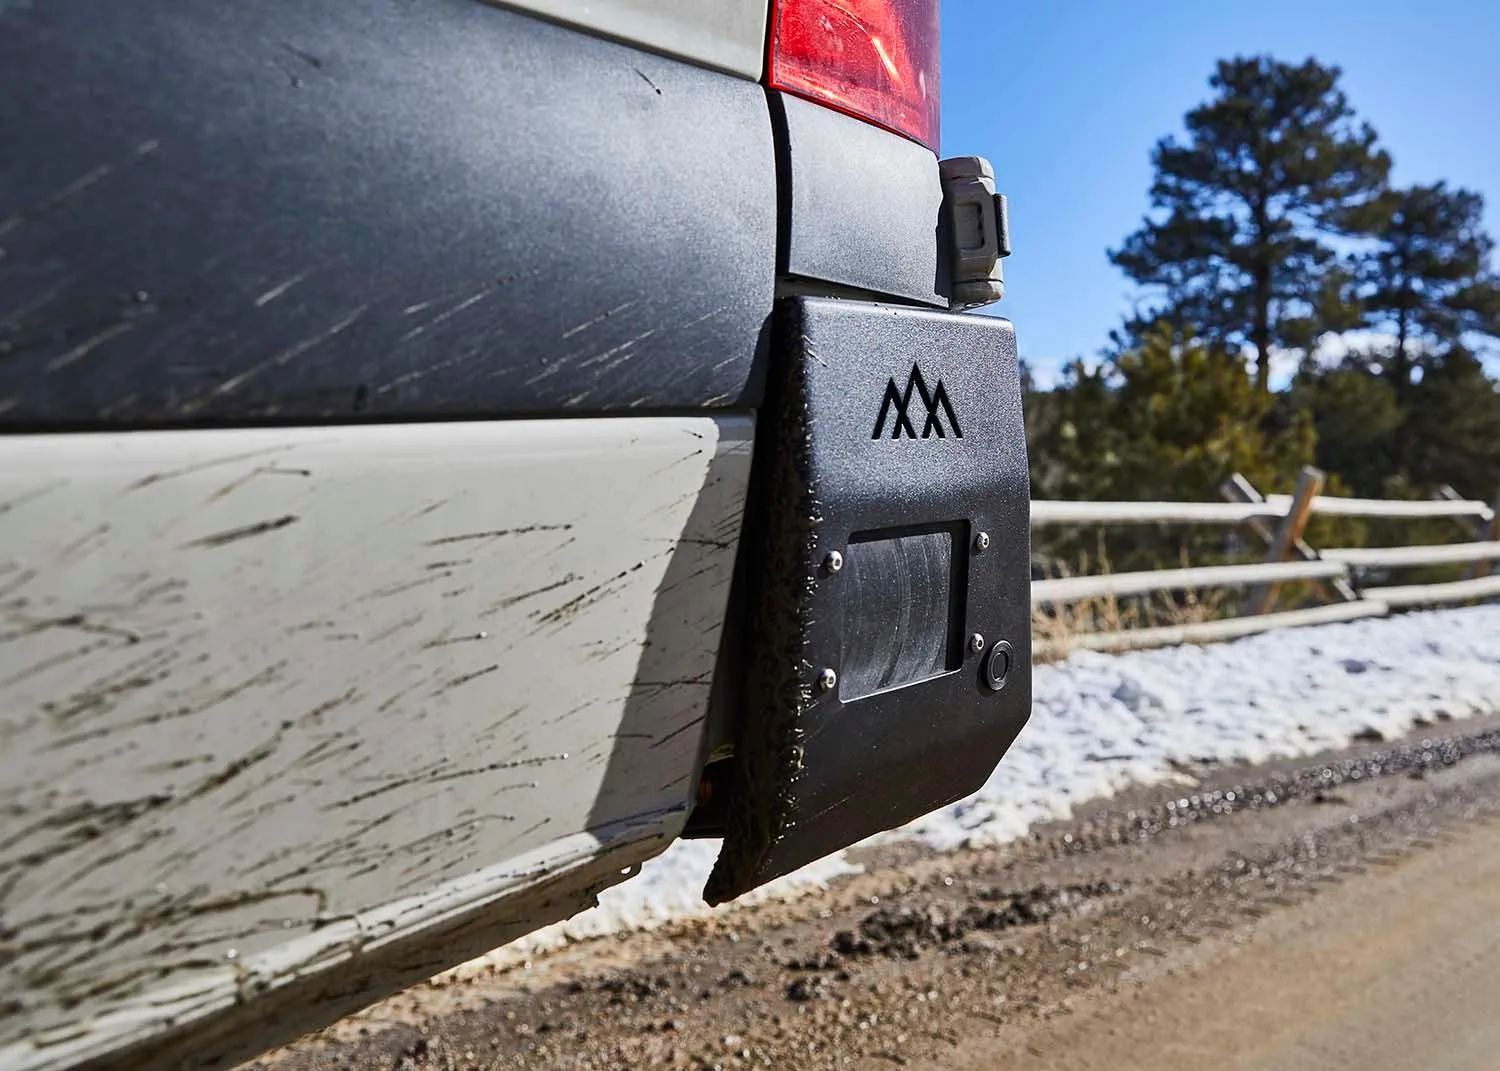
862, 205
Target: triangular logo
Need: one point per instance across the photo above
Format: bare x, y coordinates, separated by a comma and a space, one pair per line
897, 403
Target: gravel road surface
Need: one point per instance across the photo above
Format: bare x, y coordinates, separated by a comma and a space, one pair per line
1342, 912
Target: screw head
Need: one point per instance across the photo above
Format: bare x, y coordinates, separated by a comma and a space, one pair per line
976, 643
982, 542
833, 562
828, 680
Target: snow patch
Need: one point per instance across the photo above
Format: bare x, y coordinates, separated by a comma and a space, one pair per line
1100, 723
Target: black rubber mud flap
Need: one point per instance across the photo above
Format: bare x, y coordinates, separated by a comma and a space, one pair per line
889, 657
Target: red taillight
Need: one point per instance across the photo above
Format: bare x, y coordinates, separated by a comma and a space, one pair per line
877, 59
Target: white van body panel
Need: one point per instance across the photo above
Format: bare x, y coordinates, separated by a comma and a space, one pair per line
325, 710
729, 35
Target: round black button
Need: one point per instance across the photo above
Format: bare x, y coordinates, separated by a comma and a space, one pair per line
997, 665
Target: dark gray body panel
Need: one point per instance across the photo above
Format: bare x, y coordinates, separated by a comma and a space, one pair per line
308, 210
863, 205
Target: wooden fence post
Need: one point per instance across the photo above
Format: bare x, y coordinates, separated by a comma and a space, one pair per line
1289, 534
1490, 533
1239, 489
1478, 530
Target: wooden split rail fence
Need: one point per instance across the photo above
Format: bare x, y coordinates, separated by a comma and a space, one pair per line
1280, 520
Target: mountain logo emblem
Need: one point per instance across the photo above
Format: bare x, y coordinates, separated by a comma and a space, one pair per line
897, 403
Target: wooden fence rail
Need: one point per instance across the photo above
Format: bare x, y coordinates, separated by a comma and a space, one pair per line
1048, 512
1326, 506
1074, 588
1400, 557
1485, 587
1280, 521
1231, 628
1052, 512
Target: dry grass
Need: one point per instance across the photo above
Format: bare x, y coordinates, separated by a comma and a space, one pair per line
1053, 626
1056, 627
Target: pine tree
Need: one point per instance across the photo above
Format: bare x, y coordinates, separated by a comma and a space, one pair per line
1426, 280
1071, 436
1453, 426
1169, 418
1235, 247
1357, 417
1188, 416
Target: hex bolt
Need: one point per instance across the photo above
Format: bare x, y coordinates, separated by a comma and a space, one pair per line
976, 643
997, 665
981, 542
828, 680
833, 562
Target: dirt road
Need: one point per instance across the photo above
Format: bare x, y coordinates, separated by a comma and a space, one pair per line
1343, 913
1398, 969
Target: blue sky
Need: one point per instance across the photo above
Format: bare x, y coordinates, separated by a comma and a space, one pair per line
1066, 98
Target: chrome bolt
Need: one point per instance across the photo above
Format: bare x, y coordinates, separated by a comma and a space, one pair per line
976, 643
833, 562
982, 542
828, 680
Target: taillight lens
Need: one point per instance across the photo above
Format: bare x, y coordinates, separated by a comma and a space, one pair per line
877, 59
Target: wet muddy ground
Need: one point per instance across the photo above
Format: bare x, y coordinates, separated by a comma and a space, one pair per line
1323, 913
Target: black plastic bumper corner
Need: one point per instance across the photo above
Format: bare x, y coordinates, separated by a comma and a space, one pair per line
888, 664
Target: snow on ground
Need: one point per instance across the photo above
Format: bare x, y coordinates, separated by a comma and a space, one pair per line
1102, 722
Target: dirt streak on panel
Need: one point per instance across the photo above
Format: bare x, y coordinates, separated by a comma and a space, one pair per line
213, 463
498, 533
249, 531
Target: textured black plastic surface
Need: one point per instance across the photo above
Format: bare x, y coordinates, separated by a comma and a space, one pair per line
334, 209
864, 205
887, 420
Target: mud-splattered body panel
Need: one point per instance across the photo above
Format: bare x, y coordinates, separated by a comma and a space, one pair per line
256, 683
